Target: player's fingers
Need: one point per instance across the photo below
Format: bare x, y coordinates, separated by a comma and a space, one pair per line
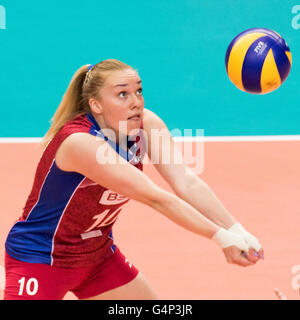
252, 255
261, 253
279, 294
242, 260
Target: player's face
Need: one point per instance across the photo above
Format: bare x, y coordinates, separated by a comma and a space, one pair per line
122, 102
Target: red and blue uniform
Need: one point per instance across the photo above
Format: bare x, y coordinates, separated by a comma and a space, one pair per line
67, 220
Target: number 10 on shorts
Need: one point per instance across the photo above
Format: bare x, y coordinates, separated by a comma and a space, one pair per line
31, 286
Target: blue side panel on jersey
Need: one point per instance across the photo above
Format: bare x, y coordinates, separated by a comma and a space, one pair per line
31, 240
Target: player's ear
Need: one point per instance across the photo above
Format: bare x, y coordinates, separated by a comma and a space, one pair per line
95, 106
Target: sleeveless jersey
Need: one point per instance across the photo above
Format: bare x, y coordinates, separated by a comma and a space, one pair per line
67, 219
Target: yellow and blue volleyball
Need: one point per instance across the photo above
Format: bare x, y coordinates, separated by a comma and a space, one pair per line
258, 60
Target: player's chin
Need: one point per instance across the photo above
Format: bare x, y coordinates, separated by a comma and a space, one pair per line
133, 126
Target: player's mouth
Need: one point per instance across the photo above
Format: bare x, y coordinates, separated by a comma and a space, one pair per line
135, 117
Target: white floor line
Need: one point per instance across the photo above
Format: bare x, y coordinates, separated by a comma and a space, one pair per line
188, 139
20, 140
239, 138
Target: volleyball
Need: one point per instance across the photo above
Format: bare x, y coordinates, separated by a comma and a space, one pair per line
258, 60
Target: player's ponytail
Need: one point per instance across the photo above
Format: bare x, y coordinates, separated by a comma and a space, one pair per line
71, 104
85, 84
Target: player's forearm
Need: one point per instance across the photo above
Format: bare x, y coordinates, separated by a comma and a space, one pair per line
188, 217
199, 195
183, 214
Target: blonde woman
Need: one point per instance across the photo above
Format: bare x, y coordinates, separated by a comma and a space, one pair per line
91, 166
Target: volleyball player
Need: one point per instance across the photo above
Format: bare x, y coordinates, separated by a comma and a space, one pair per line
63, 241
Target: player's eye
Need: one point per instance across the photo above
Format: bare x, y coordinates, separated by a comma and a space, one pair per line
140, 91
122, 94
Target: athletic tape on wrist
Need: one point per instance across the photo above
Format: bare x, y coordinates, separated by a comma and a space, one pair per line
237, 228
226, 239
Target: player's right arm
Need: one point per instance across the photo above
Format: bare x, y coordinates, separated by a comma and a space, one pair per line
95, 159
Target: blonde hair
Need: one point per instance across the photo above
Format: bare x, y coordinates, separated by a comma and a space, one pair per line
85, 84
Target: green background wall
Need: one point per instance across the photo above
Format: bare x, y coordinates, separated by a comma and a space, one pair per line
178, 47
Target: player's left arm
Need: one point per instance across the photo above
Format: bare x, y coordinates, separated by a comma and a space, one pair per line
184, 182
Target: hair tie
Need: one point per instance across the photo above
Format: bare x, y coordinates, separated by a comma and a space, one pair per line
90, 67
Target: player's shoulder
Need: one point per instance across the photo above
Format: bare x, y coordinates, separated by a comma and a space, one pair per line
151, 120
149, 115
79, 123
82, 126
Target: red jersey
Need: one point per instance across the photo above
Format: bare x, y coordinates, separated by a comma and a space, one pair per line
67, 220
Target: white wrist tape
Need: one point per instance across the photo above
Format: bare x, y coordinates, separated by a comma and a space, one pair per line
225, 239
237, 228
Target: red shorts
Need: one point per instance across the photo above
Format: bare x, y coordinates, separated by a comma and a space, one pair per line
35, 281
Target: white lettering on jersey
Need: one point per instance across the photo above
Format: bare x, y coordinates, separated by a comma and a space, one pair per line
91, 234
104, 219
108, 216
111, 198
